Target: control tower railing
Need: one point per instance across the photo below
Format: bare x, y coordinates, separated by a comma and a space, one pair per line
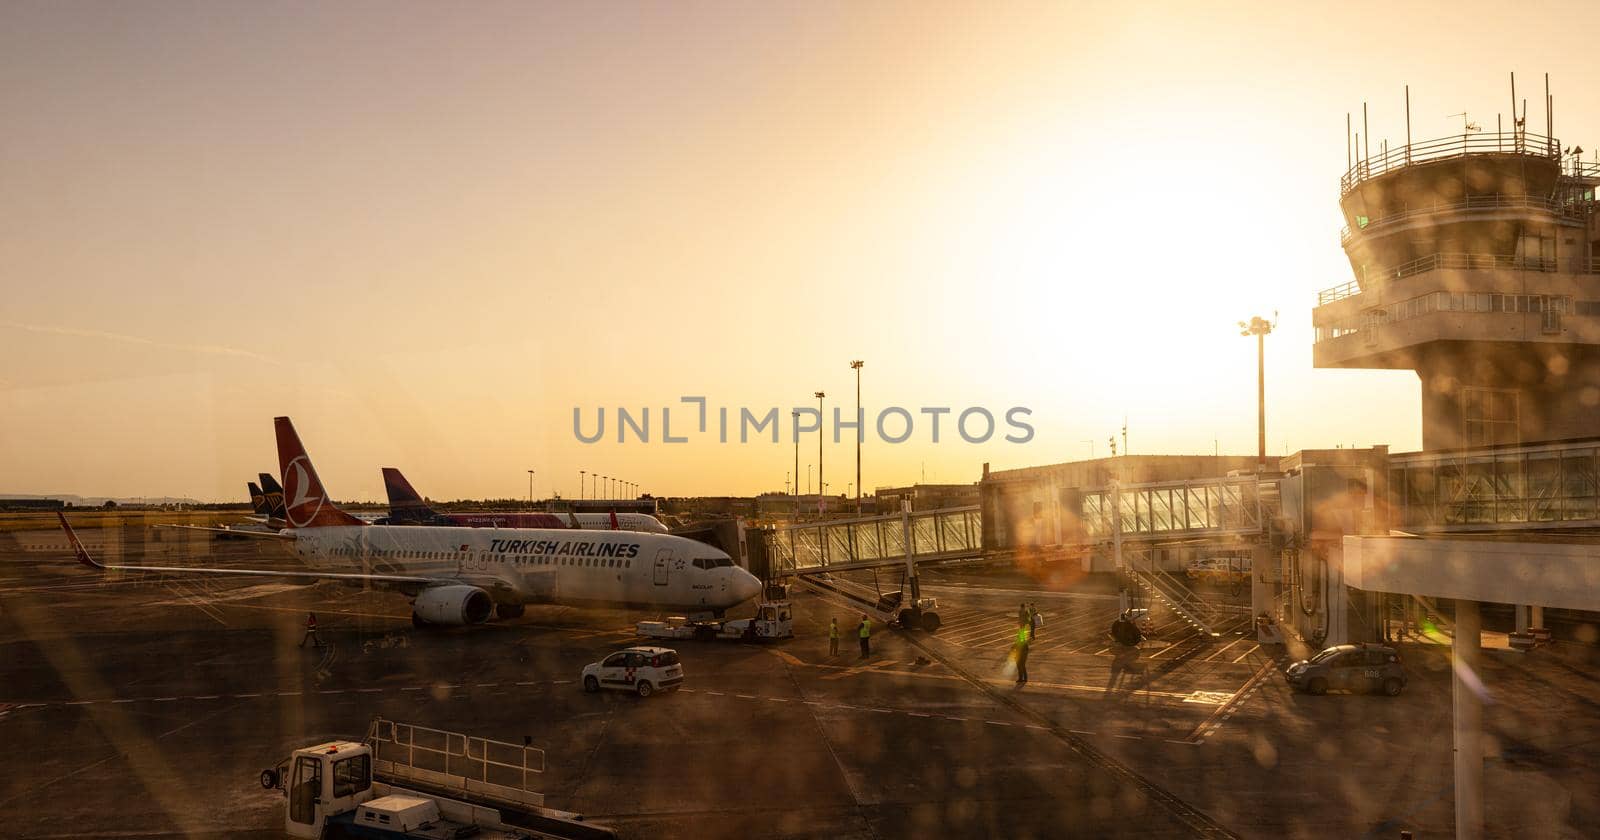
1446, 148
946, 534
1488, 203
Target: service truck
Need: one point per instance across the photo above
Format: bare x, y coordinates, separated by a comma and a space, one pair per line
407, 781
773, 620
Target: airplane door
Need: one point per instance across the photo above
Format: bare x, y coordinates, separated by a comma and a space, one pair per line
663, 559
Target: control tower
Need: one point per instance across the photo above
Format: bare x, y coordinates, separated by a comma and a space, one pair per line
1475, 262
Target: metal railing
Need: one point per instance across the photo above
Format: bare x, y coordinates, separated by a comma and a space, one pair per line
1349, 288
935, 534
476, 766
1446, 148
1494, 201
1200, 614
1450, 262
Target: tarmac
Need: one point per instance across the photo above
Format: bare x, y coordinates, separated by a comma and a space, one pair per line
144, 706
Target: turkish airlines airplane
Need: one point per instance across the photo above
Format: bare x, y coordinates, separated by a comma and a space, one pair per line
407, 507
458, 576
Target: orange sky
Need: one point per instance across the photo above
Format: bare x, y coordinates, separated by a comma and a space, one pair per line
427, 232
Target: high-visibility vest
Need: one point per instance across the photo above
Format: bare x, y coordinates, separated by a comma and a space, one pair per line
1022, 637
833, 630
866, 629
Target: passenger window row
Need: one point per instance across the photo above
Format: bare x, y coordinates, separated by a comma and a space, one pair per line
601, 562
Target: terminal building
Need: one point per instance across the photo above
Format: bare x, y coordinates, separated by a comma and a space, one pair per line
1474, 262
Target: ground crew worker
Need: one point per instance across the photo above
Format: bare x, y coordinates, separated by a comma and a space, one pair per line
833, 637
866, 635
1035, 621
311, 631
1125, 657
1021, 650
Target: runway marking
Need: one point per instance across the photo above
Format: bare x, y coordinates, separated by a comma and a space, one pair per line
1226, 710
1246, 653
251, 695
1225, 647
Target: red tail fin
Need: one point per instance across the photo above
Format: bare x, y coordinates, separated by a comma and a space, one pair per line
306, 503
614, 525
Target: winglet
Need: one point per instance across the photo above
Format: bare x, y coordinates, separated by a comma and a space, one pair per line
306, 502
572, 520
77, 547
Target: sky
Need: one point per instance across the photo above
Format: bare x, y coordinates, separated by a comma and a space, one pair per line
428, 232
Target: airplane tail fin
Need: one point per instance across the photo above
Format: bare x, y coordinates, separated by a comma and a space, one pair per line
77, 547
274, 493
572, 520
614, 525
258, 500
405, 503
306, 502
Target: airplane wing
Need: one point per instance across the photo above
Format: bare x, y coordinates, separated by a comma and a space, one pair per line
250, 530
84, 558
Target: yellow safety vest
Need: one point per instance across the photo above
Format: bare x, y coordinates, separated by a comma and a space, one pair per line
1022, 637
866, 629
833, 631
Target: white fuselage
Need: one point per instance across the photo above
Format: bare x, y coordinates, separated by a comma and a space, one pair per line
541, 566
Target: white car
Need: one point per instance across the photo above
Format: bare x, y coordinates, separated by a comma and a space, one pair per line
642, 670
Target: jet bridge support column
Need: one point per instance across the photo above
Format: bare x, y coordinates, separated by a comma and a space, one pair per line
911, 563
1465, 685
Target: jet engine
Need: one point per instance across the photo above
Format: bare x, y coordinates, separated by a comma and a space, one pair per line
452, 605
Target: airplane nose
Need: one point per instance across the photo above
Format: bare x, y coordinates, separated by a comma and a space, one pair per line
745, 585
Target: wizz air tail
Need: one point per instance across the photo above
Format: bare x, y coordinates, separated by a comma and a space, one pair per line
273, 491
306, 502
258, 500
406, 505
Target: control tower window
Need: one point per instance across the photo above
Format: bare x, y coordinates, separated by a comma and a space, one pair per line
1489, 417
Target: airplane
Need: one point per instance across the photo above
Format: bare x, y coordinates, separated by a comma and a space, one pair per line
407, 507
260, 521
460, 576
273, 494
258, 501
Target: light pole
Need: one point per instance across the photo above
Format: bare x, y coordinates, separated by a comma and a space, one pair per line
860, 433
530, 488
821, 505
581, 480
796, 416
1260, 328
